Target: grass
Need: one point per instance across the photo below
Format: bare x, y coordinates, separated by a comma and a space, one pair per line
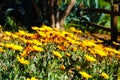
51, 54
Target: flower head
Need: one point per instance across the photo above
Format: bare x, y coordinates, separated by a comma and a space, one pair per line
85, 75
105, 75
36, 48
62, 67
90, 59
22, 60
32, 78
57, 54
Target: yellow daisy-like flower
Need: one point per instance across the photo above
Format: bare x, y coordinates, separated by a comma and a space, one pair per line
22, 60
72, 29
100, 52
70, 40
32, 78
105, 75
57, 54
41, 33
75, 30
15, 36
36, 42
36, 48
44, 27
8, 33
16, 47
90, 59
85, 75
35, 28
22, 32
88, 43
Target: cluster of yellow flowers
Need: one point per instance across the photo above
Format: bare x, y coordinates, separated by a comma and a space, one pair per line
64, 41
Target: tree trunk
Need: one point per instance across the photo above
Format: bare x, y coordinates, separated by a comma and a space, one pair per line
55, 20
57, 24
52, 15
67, 11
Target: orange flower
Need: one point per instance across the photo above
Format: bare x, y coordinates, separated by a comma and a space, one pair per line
26, 51
62, 67
61, 47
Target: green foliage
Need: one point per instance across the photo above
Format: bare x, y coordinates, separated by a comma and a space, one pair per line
98, 18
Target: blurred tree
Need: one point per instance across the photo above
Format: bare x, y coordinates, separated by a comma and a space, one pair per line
36, 12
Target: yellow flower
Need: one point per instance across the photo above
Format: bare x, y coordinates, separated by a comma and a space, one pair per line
35, 28
44, 27
74, 48
14, 47
105, 75
64, 34
70, 40
17, 47
100, 52
24, 53
22, 60
15, 36
8, 33
57, 54
75, 30
33, 78
85, 75
72, 29
22, 33
41, 33
88, 43
8, 45
90, 59
36, 48
36, 42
